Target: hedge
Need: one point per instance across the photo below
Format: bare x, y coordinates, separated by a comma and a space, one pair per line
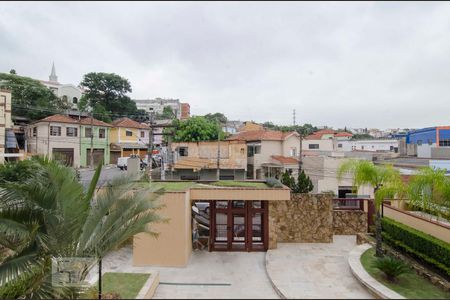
416, 243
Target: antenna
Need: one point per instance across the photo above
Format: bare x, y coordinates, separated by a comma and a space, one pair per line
293, 115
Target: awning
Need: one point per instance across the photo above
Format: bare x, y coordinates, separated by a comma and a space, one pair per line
11, 141
119, 146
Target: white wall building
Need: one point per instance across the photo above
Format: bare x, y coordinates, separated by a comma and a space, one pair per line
158, 105
368, 145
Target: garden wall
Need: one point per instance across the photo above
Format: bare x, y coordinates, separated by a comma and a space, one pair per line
306, 218
349, 222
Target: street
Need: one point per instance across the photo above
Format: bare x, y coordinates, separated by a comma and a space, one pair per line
107, 174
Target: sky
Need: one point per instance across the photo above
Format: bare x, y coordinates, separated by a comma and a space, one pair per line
369, 64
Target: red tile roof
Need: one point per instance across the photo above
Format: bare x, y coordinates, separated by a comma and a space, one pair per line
343, 134
66, 119
318, 134
128, 123
261, 135
285, 160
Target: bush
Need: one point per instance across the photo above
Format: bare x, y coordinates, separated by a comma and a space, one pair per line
392, 268
272, 182
417, 244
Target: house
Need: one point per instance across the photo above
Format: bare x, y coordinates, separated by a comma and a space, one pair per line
128, 137
8, 142
69, 139
67, 92
374, 145
198, 160
324, 140
269, 152
431, 142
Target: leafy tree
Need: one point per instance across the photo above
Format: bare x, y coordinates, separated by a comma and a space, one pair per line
196, 129
304, 183
385, 180
17, 171
362, 136
30, 98
106, 93
304, 130
217, 117
49, 214
13, 72
288, 180
167, 113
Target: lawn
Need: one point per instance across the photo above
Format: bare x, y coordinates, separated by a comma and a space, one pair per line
170, 186
127, 285
232, 183
410, 285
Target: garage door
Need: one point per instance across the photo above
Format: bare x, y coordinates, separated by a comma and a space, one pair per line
64, 155
113, 157
98, 155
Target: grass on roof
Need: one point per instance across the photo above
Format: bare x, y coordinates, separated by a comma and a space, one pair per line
232, 183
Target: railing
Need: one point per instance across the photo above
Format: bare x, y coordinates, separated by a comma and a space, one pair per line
348, 204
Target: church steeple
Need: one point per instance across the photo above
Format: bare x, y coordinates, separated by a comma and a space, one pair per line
53, 77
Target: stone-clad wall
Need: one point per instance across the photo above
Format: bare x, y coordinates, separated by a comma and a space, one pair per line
348, 222
306, 218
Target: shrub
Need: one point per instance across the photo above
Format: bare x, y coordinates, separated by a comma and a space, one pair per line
418, 244
392, 268
272, 182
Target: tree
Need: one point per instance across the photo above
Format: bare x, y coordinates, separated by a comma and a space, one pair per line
30, 98
196, 129
288, 180
304, 130
217, 117
50, 215
13, 72
362, 136
304, 183
386, 182
167, 113
106, 93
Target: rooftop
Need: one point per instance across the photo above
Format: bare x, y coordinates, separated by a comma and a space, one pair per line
179, 186
262, 135
127, 122
66, 119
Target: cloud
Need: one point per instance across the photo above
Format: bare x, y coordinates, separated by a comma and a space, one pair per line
371, 64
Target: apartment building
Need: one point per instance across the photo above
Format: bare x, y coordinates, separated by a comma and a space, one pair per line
198, 160
431, 142
6, 140
181, 110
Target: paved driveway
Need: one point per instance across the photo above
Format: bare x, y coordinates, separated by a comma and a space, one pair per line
208, 275
315, 271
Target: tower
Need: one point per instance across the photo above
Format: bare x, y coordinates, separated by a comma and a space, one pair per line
53, 77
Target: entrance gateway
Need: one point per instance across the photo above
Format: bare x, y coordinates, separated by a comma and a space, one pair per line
239, 225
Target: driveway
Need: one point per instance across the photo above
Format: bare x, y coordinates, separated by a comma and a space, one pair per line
315, 271
217, 275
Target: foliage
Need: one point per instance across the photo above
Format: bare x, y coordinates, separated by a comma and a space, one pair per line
49, 214
304, 130
385, 180
391, 267
167, 113
288, 180
217, 117
13, 72
106, 94
196, 129
304, 183
127, 285
430, 191
362, 136
30, 98
416, 243
273, 183
407, 284
233, 183
17, 171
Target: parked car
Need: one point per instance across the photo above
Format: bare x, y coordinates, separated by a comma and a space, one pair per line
203, 206
122, 163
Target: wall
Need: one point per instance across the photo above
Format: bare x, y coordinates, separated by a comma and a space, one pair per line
306, 218
432, 228
349, 222
173, 246
220, 193
98, 143
368, 145
440, 152
424, 150
5, 120
292, 142
324, 145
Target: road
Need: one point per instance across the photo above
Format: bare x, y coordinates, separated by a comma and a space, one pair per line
107, 174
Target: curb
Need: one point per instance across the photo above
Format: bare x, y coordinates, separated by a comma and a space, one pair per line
279, 293
150, 286
358, 271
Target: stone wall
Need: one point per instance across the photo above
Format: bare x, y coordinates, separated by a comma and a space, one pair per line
347, 222
306, 218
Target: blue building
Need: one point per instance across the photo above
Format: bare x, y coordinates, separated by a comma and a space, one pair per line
431, 142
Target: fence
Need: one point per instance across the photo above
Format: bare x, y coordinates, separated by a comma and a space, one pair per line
356, 204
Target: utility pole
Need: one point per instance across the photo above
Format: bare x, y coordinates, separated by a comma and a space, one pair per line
300, 157
150, 147
293, 115
218, 153
91, 162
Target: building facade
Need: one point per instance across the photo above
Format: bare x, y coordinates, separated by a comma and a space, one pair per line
181, 110
386, 145
325, 140
5, 122
432, 142
128, 137
69, 139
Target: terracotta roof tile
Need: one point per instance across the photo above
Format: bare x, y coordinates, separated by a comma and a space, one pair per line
285, 160
127, 122
95, 122
66, 119
318, 134
257, 135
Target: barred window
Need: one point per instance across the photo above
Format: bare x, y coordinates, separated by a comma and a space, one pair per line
444, 143
102, 133
72, 131
55, 130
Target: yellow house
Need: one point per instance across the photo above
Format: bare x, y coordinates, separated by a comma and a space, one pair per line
128, 137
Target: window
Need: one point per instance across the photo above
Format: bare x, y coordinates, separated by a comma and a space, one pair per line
87, 132
339, 145
293, 151
71, 131
419, 142
253, 149
142, 134
74, 100
183, 151
129, 133
102, 133
313, 146
430, 142
34, 131
55, 130
362, 147
444, 143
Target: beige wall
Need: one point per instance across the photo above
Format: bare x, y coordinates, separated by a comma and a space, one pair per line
324, 145
43, 145
173, 246
5, 120
417, 223
240, 194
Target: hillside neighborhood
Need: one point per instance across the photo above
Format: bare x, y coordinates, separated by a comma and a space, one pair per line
183, 169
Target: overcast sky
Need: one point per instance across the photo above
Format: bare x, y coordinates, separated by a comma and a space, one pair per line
383, 65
